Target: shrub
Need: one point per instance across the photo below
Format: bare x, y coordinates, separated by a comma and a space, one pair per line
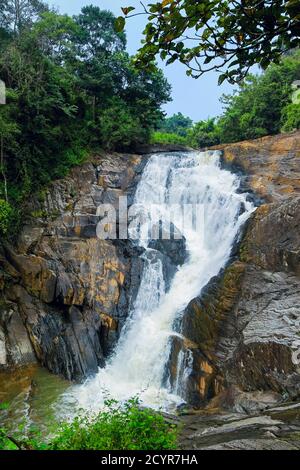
5, 216
167, 138
204, 134
120, 128
291, 117
117, 427
256, 109
71, 157
177, 124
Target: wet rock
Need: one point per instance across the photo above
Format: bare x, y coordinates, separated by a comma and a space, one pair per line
172, 247
255, 444
142, 149
245, 402
128, 250
68, 291
269, 166
175, 250
15, 345
218, 430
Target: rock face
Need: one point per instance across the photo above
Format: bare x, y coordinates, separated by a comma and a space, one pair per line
64, 292
277, 428
142, 149
244, 329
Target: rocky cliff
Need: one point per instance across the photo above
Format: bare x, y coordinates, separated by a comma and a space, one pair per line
65, 293
244, 329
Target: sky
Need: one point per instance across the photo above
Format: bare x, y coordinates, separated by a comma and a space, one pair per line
196, 98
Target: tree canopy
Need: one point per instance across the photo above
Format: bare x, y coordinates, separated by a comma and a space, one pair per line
18, 14
262, 105
71, 88
228, 36
178, 124
259, 107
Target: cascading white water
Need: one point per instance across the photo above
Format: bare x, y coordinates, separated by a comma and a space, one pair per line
137, 367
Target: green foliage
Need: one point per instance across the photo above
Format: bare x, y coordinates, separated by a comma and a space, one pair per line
4, 406
98, 32
119, 127
71, 87
6, 213
258, 107
15, 15
204, 134
117, 427
5, 443
261, 106
226, 36
291, 117
176, 124
70, 157
167, 138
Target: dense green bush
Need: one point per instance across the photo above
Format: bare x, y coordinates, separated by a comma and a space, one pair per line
6, 212
178, 124
118, 427
167, 138
204, 134
120, 129
291, 117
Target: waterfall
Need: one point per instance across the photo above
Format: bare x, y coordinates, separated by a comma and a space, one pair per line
138, 364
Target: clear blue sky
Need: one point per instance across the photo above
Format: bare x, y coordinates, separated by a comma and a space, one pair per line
198, 99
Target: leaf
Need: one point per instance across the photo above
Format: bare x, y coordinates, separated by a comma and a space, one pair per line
264, 62
206, 34
120, 24
222, 78
179, 46
4, 406
208, 60
127, 10
172, 59
166, 2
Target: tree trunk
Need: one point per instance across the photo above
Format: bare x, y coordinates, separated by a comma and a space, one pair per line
2, 167
17, 16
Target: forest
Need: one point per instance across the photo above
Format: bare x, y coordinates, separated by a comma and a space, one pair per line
71, 87
261, 105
